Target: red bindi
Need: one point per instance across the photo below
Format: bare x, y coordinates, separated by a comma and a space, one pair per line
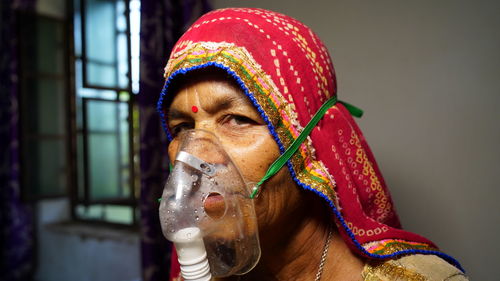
194, 108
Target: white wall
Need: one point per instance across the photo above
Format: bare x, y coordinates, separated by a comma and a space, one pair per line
427, 75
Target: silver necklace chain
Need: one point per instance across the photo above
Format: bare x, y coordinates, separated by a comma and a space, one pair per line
323, 256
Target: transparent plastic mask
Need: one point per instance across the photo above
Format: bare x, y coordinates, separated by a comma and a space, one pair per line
206, 204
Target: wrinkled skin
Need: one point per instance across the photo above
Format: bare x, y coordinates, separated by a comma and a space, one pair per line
226, 112
292, 223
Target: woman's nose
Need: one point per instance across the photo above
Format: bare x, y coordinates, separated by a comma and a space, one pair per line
206, 125
209, 126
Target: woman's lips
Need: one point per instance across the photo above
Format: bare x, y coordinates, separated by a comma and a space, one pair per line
214, 205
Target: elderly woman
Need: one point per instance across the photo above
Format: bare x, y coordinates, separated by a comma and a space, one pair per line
262, 85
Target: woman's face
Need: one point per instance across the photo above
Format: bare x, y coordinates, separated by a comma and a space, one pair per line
218, 106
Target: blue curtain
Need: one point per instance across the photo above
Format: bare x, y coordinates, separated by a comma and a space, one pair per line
16, 217
162, 23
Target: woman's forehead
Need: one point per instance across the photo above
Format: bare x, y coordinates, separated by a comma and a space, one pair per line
214, 93
187, 80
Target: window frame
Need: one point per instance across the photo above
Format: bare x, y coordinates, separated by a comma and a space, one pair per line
86, 173
24, 77
84, 57
75, 201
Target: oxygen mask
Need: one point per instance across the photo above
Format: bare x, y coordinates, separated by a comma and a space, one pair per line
207, 212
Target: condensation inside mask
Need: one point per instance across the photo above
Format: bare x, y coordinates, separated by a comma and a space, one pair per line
206, 204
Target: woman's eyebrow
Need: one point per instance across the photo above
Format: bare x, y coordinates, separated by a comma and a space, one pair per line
218, 103
224, 102
173, 113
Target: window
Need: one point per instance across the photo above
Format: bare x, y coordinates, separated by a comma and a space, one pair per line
43, 103
106, 81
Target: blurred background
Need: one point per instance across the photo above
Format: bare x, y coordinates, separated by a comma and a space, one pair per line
83, 156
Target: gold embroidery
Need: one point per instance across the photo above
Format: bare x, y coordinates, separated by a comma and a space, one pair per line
387, 271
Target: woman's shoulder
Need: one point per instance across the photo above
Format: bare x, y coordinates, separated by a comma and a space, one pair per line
413, 268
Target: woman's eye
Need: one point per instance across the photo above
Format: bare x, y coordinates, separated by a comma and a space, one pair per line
239, 120
177, 129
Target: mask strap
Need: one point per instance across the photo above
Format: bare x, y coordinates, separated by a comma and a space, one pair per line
281, 161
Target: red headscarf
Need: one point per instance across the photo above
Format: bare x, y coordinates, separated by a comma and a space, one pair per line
286, 71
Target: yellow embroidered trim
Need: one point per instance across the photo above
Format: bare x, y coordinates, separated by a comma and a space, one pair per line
387, 271
391, 246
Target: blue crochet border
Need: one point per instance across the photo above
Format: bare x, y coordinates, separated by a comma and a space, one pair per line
289, 164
